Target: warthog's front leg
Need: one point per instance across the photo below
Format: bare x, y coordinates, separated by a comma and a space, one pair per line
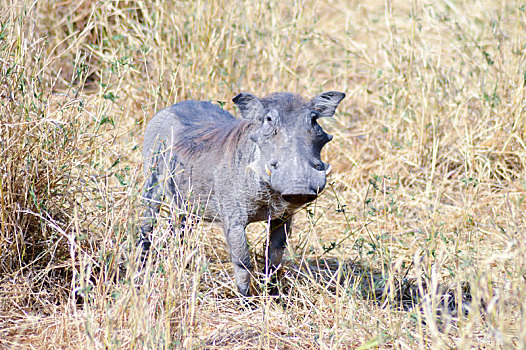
279, 229
237, 243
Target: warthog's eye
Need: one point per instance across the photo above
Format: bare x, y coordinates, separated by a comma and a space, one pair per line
269, 123
271, 116
314, 116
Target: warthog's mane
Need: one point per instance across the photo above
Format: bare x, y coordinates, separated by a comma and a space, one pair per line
284, 101
208, 128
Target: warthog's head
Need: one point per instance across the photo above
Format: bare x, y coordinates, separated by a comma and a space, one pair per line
289, 141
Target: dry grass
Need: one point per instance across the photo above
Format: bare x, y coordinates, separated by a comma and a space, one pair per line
418, 242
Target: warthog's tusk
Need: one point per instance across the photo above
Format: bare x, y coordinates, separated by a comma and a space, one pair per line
328, 170
268, 170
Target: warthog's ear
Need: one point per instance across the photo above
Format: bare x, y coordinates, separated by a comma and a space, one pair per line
249, 105
327, 102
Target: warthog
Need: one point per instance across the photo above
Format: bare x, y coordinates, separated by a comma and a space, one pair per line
263, 166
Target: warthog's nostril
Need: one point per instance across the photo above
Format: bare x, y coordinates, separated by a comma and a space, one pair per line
319, 166
299, 198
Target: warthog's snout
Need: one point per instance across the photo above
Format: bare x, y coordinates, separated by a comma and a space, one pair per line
299, 197
300, 184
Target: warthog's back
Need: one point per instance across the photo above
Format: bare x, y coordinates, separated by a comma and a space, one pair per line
191, 127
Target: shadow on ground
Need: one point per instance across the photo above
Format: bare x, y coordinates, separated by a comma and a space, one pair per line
371, 284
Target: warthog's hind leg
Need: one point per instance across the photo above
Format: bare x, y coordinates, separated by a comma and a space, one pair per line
152, 199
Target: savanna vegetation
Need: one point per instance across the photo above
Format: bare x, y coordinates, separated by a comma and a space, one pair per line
419, 240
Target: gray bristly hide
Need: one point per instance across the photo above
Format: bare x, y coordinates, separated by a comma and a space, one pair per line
264, 166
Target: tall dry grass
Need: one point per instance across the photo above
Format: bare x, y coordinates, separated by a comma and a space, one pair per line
418, 240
